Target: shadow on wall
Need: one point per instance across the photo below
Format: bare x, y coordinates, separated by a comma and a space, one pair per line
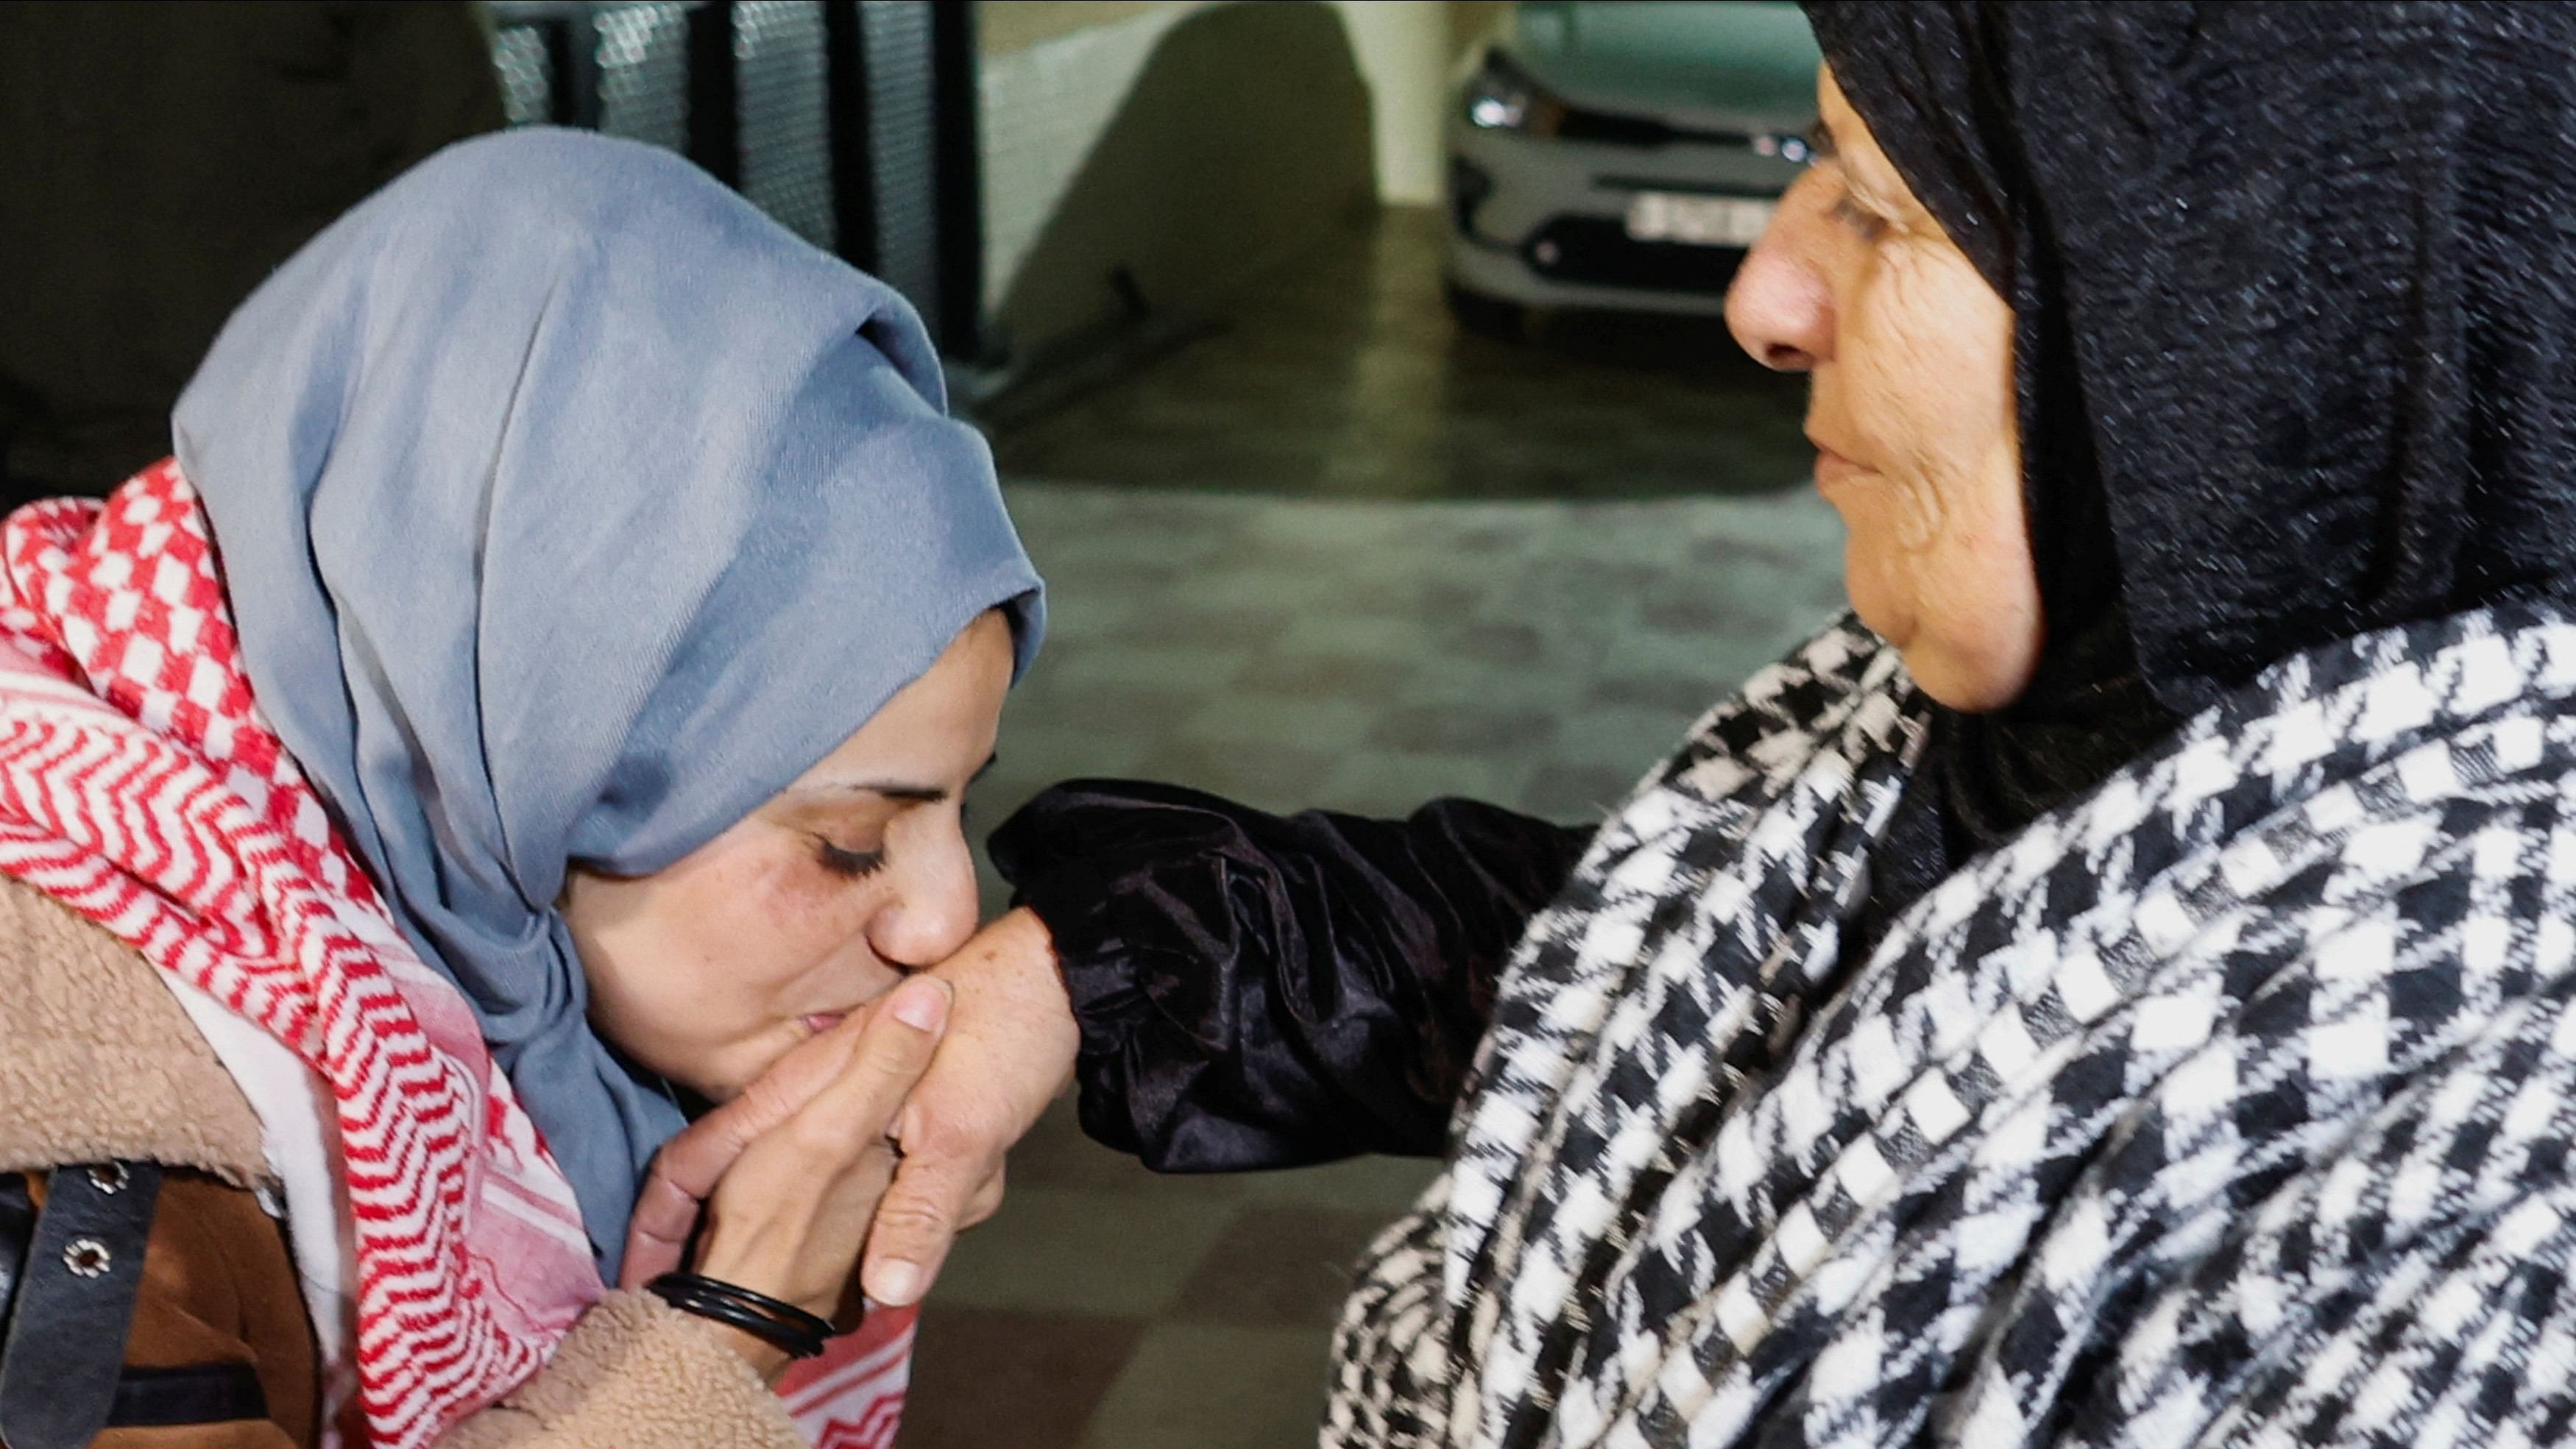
1245, 136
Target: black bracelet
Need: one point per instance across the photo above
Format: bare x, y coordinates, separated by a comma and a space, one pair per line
780, 1325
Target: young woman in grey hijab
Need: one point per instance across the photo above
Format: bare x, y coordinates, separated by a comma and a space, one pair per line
604, 562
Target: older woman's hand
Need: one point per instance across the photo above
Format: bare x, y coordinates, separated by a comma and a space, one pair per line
1005, 1056
791, 1173
1008, 1052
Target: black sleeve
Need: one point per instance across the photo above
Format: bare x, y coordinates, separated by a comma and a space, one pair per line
1262, 991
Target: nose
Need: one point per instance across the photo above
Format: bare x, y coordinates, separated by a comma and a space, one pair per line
932, 910
1780, 308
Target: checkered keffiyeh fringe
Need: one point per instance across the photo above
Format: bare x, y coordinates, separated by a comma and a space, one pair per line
2231, 1105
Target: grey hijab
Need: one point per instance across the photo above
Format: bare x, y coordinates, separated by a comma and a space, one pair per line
570, 509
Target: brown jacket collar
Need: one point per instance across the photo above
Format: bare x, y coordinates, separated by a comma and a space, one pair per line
97, 1058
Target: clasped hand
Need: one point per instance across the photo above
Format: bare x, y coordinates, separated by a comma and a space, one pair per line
885, 1133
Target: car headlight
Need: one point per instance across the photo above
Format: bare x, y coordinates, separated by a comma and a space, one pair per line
1786, 145
1502, 97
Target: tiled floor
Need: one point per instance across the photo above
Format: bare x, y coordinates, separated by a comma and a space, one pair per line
1296, 620
1369, 656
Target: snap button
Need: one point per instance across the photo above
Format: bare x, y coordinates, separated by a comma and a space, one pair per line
108, 1177
87, 1257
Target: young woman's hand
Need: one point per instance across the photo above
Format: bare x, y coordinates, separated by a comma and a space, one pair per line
1008, 1052
791, 1172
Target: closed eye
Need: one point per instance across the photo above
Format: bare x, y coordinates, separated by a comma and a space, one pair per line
850, 864
1851, 213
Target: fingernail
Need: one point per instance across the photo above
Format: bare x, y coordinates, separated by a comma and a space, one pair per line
921, 1005
894, 1282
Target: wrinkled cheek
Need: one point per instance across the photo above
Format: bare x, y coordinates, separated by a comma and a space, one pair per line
1932, 345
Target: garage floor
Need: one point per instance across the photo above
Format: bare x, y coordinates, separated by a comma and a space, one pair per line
1344, 378
1335, 554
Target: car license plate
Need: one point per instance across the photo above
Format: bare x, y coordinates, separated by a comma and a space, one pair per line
1706, 221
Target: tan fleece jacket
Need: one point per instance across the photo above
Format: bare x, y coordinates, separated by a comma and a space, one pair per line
98, 1061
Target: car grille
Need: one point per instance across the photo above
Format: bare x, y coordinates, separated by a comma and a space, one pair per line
1593, 251
1617, 130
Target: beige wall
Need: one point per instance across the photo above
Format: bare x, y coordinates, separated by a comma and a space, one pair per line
1403, 51
1006, 25
1192, 143
1244, 134
1473, 20
1003, 26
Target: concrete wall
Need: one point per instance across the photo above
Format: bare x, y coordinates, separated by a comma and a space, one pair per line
1052, 77
1139, 170
1004, 26
1188, 145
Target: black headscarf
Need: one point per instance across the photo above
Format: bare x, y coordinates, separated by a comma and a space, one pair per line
2294, 289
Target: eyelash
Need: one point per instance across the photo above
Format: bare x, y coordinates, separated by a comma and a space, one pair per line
848, 864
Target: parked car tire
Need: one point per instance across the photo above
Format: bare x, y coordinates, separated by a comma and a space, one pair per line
1486, 316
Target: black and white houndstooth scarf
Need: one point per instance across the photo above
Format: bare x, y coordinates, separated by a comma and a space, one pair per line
2231, 1105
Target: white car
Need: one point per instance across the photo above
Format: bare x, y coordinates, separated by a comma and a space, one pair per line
1622, 154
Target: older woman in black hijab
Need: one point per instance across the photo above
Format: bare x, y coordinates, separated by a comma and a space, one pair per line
2119, 988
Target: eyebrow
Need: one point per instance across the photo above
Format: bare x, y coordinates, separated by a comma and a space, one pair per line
1820, 142
896, 790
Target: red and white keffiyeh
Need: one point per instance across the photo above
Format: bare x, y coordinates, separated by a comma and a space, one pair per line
140, 785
